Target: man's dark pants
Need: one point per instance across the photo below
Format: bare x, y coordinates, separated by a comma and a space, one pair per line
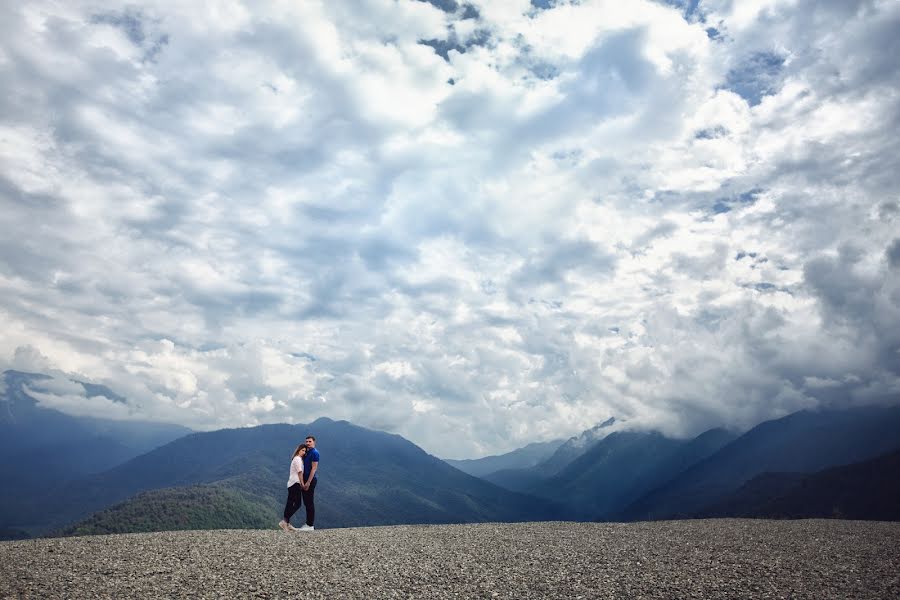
309, 501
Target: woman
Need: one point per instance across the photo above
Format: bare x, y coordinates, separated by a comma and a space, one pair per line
295, 488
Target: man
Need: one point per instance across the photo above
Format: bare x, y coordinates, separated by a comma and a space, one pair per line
310, 468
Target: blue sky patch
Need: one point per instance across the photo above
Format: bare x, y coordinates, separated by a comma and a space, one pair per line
445, 5
758, 76
711, 133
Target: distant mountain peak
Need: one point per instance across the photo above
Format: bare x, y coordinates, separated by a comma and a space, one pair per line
522, 458
577, 445
16, 389
13, 373
594, 434
15, 380
92, 390
14, 399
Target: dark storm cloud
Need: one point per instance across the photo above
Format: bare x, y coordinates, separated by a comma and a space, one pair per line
860, 304
845, 295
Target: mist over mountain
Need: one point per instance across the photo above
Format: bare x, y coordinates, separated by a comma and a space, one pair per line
577, 445
612, 471
624, 466
522, 458
803, 442
25, 423
42, 448
527, 478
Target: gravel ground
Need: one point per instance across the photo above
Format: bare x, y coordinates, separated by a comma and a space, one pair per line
676, 559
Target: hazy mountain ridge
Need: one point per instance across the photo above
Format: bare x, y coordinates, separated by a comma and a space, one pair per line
527, 478
522, 458
516, 480
625, 465
615, 469
868, 490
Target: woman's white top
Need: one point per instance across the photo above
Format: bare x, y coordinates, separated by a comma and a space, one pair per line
296, 465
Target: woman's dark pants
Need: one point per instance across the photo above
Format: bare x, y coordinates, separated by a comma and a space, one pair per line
295, 498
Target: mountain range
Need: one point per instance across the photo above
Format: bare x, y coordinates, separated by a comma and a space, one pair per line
803, 442
634, 475
527, 477
119, 477
366, 478
626, 465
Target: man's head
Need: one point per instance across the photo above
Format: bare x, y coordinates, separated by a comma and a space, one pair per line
310, 441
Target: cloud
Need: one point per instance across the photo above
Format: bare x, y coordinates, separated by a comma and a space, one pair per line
680, 214
893, 254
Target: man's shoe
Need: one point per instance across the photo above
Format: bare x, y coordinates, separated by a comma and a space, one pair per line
306, 527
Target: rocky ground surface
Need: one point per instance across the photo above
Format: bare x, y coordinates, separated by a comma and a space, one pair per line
677, 559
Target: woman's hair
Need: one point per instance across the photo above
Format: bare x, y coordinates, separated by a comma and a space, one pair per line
299, 448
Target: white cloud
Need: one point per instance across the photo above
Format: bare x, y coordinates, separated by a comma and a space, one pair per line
234, 216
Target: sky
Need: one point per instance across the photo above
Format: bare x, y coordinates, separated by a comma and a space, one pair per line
474, 223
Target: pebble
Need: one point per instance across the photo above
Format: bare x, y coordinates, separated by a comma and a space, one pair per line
717, 558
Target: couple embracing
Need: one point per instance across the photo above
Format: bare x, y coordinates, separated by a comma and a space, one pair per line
302, 485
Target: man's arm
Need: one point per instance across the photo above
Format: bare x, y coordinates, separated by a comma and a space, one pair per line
312, 473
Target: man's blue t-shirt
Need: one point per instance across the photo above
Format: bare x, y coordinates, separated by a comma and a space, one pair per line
311, 457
